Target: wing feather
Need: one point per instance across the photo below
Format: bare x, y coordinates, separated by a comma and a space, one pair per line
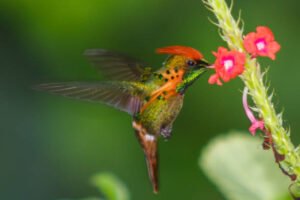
114, 65
114, 94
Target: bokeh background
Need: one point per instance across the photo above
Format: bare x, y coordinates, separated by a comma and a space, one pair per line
50, 146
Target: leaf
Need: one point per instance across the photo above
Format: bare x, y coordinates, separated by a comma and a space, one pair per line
240, 169
110, 186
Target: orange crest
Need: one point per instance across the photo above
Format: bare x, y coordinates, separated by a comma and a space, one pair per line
181, 50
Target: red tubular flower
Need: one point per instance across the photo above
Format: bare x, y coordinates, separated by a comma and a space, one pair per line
228, 65
261, 43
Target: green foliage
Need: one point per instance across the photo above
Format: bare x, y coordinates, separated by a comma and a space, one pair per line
110, 186
232, 33
241, 170
50, 145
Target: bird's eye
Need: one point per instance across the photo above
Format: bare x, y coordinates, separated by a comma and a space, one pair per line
191, 63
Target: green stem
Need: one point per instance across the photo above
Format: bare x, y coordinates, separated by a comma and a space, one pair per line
253, 79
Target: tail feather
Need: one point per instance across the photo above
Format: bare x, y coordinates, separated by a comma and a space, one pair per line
149, 145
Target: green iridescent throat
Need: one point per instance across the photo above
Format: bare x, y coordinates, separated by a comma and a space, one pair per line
189, 78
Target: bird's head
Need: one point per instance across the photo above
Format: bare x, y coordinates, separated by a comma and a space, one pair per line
186, 58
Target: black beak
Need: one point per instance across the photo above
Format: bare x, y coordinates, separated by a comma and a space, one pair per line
202, 64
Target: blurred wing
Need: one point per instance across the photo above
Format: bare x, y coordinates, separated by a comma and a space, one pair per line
114, 65
112, 94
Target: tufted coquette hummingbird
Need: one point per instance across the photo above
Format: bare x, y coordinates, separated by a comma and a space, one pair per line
153, 98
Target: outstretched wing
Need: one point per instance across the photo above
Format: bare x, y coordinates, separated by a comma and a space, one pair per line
114, 65
116, 94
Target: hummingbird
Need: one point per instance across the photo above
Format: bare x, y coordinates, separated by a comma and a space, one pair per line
153, 98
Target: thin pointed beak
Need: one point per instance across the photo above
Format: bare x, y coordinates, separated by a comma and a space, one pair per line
203, 64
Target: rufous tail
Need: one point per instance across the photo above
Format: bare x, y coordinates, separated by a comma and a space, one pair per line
149, 145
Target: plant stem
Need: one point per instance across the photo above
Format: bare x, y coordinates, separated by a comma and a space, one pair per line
253, 80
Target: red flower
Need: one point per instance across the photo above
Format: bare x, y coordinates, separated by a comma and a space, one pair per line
228, 65
261, 43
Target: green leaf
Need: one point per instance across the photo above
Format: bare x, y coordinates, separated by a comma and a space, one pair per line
241, 169
110, 186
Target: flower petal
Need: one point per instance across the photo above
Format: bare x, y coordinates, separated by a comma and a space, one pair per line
265, 32
257, 125
274, 46
214, 79
264, 36
249, 44
228, 65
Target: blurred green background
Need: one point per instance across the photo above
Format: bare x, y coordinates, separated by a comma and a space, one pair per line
50, 146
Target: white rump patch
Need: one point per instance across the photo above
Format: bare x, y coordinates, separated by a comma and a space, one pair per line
149, 137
